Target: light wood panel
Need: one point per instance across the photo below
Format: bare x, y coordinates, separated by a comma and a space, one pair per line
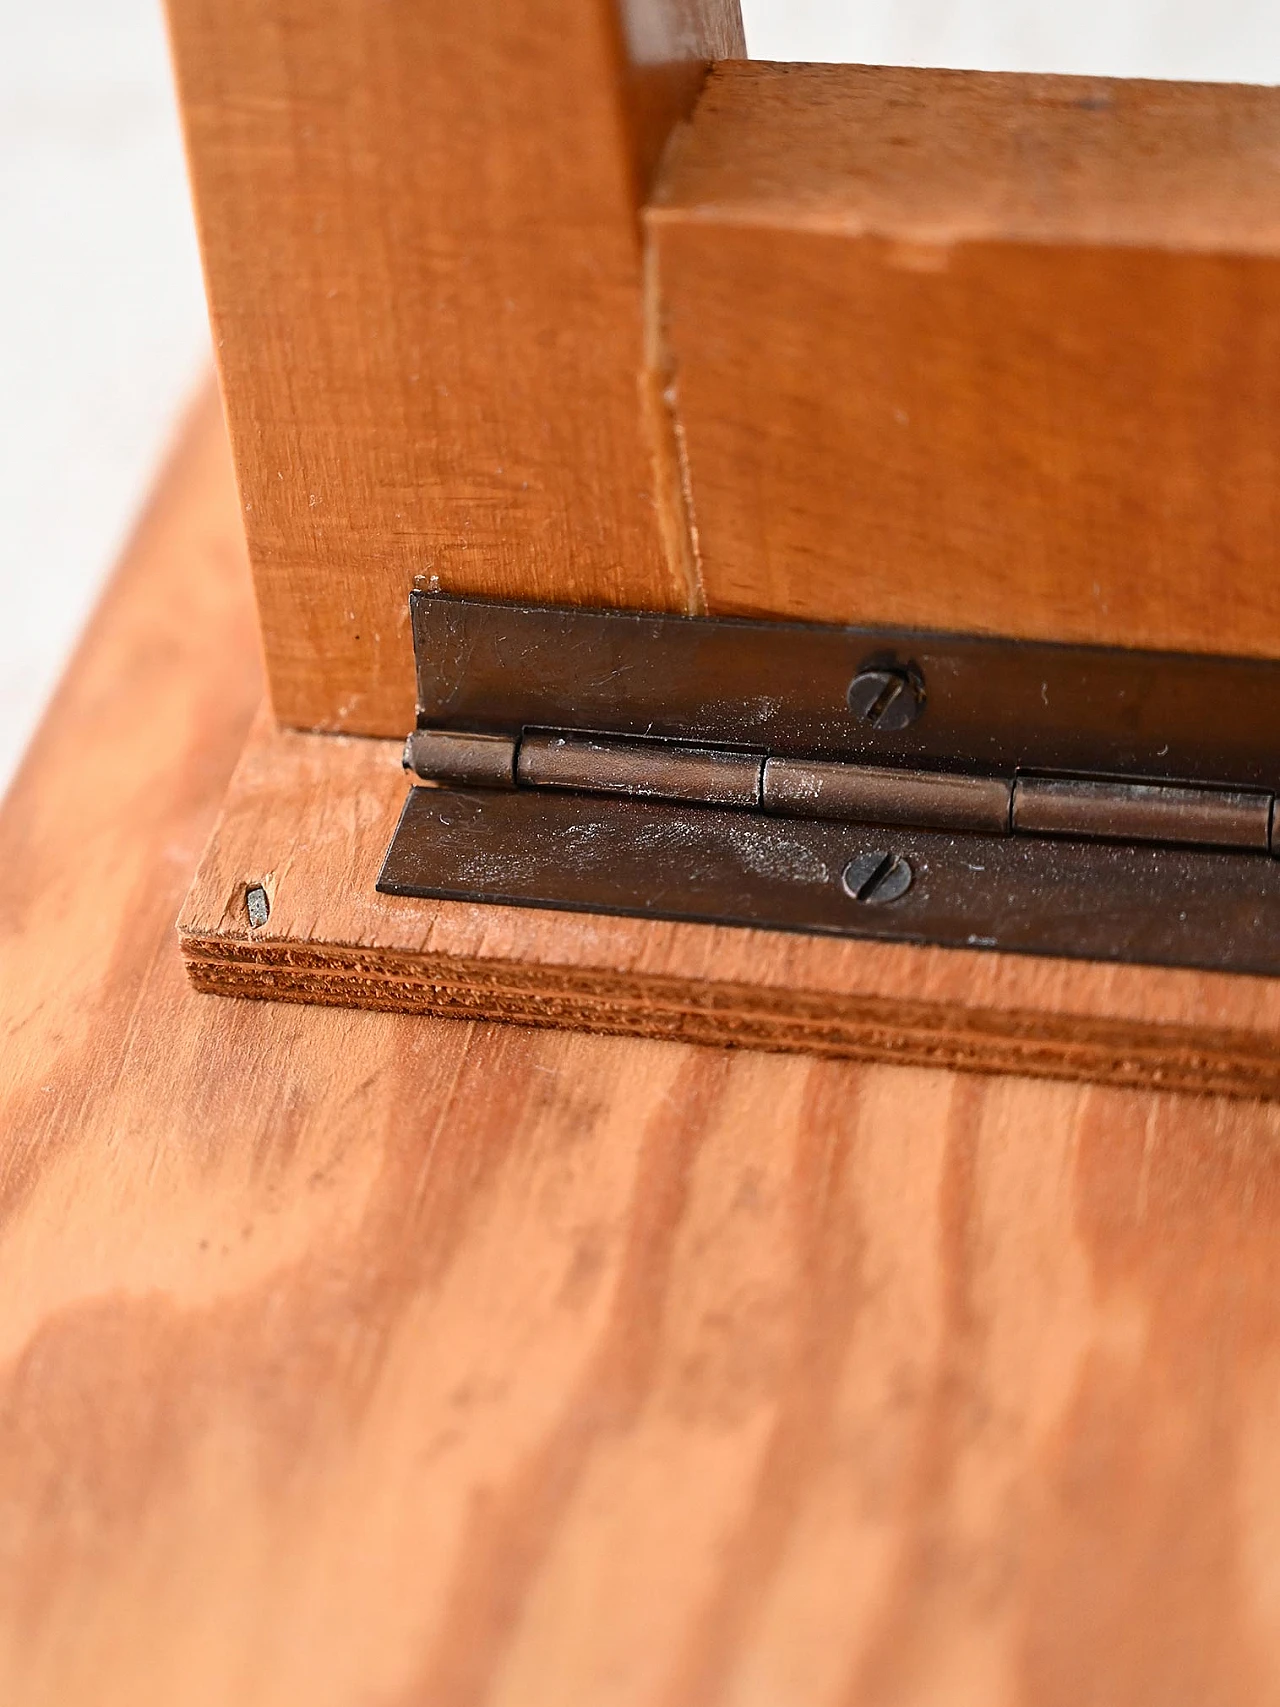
357, 1358
420, 235
994, 353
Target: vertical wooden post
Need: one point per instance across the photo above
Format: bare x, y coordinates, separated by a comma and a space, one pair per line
420, 234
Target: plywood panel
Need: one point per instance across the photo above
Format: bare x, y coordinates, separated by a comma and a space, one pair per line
419, 228
353, 1357
993, 353
309, 818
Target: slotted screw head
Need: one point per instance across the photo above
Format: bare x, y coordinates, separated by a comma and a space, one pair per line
876, 877
886, 698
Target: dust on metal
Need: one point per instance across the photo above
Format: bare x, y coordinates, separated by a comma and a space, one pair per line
1056, 799
1091, 900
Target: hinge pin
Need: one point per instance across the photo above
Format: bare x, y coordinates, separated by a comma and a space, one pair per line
1082, 808
870, 794
661, 770
1099, 810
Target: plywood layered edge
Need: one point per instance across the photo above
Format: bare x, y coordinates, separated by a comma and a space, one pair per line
308, 818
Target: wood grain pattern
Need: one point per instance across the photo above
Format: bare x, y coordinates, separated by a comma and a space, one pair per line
991, 353
352, 1358
421, 243
309, 817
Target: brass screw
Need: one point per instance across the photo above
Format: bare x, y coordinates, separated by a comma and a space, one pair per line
876, 877
888, 698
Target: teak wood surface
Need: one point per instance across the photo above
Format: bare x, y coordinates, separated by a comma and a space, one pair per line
983, 353
421, 241
371, 1360
943, 349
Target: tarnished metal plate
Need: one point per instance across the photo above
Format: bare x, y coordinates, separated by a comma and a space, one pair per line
984, 704
1087, 900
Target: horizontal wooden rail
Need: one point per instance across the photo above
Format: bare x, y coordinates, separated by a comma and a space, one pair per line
993, 353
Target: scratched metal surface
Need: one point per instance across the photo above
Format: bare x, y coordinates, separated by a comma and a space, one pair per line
989, 704
1095, 901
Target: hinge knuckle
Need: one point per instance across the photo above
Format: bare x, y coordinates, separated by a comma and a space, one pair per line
476, 761
803, 788
844, 791
660, 770
1113, 810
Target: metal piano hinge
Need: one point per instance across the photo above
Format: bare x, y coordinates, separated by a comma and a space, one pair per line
1089, 808
949, 789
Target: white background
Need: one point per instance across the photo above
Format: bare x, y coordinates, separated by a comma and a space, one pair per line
102, 328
